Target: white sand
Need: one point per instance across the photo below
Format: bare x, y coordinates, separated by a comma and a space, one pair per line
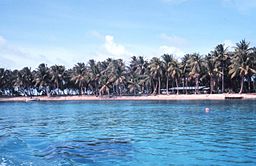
157, 97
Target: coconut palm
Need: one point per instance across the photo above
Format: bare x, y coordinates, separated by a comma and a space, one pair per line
242, 62
23, 80
211, 70
175, 72
57, 74
156, 70
185, 68
80, 76
139, 67
133, 83
105, 85
113, 76
167, 61
95, 74
253, 76
195, 63
42, 77
6, 81
117, 74
221, 54
2, 80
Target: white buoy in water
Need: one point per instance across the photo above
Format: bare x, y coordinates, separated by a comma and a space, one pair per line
207, 109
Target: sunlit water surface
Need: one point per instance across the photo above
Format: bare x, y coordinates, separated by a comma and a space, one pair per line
128, 133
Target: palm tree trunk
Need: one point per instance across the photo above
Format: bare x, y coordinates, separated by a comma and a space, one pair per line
120, 90
97, 89
211, 84
143, 88
177, 85
222, 79
155, 88
159, 87
186, 85
214, 84
81, 90
249, 84
183, 84
167, 85
242, 84
253, 85
58, 88
197, 85
108, 93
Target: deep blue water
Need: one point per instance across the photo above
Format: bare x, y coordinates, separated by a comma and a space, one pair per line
128, 133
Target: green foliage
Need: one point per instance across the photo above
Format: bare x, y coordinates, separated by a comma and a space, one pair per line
221, 70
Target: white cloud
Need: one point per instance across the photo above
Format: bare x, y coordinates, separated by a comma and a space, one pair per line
241, 5
97, 35
171, 50
111, 49
12, 56
53, 55
17, 57
173, 45
173, 40
2, 41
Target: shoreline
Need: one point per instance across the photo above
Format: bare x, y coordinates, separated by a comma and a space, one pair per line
135, 98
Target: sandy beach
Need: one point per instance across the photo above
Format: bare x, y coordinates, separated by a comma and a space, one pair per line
157, 97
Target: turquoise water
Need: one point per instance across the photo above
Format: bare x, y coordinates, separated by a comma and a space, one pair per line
128, 133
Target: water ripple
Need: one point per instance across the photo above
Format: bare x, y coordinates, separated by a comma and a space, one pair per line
128, 133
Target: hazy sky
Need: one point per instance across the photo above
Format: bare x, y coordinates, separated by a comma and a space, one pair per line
70, 31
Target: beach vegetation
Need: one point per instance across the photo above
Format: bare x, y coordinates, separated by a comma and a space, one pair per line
220, 71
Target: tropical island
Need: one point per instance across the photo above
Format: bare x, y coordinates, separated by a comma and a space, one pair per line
212, 76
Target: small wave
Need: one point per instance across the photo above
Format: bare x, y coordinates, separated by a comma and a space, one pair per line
3, 162
87, 150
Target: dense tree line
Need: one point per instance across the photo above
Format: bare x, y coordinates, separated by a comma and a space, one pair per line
222, 71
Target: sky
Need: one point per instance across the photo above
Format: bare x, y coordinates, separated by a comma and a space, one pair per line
65, 32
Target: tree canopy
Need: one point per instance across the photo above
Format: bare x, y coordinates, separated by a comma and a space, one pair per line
221, 70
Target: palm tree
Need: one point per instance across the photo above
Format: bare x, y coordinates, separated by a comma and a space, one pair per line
113, 76
175, 72
117, 74
42, 77
133, 83
167, 61
23, 80
105, 85
195, 63
139, 67
211, 69
57, 73
6, 81
253, 76
242, 62
8, 78
2, 80
185, 68
156, 70
221, 56
80, 76
95, 74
